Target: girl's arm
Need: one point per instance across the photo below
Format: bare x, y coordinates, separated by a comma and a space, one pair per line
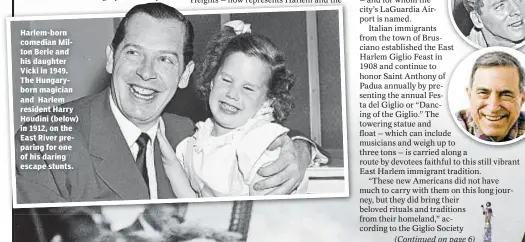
179, 181
252, 154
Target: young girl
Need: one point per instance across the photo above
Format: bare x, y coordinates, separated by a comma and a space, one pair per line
246, 84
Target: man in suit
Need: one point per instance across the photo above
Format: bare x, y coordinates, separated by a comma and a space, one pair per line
113, 152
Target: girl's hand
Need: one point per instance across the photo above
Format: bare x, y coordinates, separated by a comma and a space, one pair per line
179, 180
168, 154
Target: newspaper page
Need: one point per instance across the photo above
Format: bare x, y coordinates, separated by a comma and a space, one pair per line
411, 112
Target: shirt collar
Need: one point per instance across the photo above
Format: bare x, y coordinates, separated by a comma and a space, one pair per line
130, 131
477, 37
469, 124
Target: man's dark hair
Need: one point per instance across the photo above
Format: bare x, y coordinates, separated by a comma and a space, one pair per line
496, 59
158, 11
227, 42
473, 5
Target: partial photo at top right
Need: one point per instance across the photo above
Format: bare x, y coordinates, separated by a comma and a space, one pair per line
488, 23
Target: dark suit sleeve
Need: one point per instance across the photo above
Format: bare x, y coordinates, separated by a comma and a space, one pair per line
30, 192
33, 185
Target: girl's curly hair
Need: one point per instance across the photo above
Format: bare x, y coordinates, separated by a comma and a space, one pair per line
227, 42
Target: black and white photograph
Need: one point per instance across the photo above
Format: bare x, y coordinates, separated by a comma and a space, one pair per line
151, 222
159, 105
487, 23
239, 221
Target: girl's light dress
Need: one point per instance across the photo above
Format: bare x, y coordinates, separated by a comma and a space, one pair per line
227, 165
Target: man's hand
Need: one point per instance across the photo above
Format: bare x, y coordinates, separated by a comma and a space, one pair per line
287, 172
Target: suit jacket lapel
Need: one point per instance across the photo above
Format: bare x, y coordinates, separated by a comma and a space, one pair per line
176, 130
117, 166
164, 189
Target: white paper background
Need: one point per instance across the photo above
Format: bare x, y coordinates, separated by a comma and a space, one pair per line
5, 177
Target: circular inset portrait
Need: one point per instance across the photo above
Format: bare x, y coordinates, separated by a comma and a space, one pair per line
486, 95
488, 23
